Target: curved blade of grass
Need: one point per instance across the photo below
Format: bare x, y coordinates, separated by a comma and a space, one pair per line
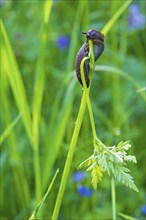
33, 216
111, 22
127, 217
14, 76
9, 128
123, 74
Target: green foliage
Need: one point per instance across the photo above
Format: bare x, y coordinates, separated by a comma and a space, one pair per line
39, 102
113, 161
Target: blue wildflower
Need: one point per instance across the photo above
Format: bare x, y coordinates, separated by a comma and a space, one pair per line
2, 2
143, 210
62, 42
79, 176
136, 19
85, 191
134, 8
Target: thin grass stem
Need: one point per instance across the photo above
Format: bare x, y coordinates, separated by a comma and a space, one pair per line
69, 157
87, 98
113, 198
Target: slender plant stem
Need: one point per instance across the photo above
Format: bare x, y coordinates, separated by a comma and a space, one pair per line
91, 54
69, 157
113, 198
91, 116
87, 97
37, 174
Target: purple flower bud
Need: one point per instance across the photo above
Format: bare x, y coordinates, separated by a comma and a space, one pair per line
85, 191
62, 42
79, 176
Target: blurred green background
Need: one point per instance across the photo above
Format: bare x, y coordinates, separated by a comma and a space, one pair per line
40, 98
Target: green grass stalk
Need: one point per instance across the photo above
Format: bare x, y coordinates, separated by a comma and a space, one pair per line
69, 157
113, 198
37, 98
86, 90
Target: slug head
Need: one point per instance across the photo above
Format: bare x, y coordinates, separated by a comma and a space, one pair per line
94, 35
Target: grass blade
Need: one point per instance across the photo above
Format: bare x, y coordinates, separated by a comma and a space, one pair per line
111, 22
38, 96
33, 216
10, 67
123, 74
127, 217
9, 128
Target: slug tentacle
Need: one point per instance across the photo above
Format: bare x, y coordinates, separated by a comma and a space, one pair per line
97, 39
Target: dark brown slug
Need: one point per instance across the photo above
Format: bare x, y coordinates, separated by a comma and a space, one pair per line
97, 39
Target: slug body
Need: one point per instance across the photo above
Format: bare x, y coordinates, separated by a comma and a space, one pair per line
97, 39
